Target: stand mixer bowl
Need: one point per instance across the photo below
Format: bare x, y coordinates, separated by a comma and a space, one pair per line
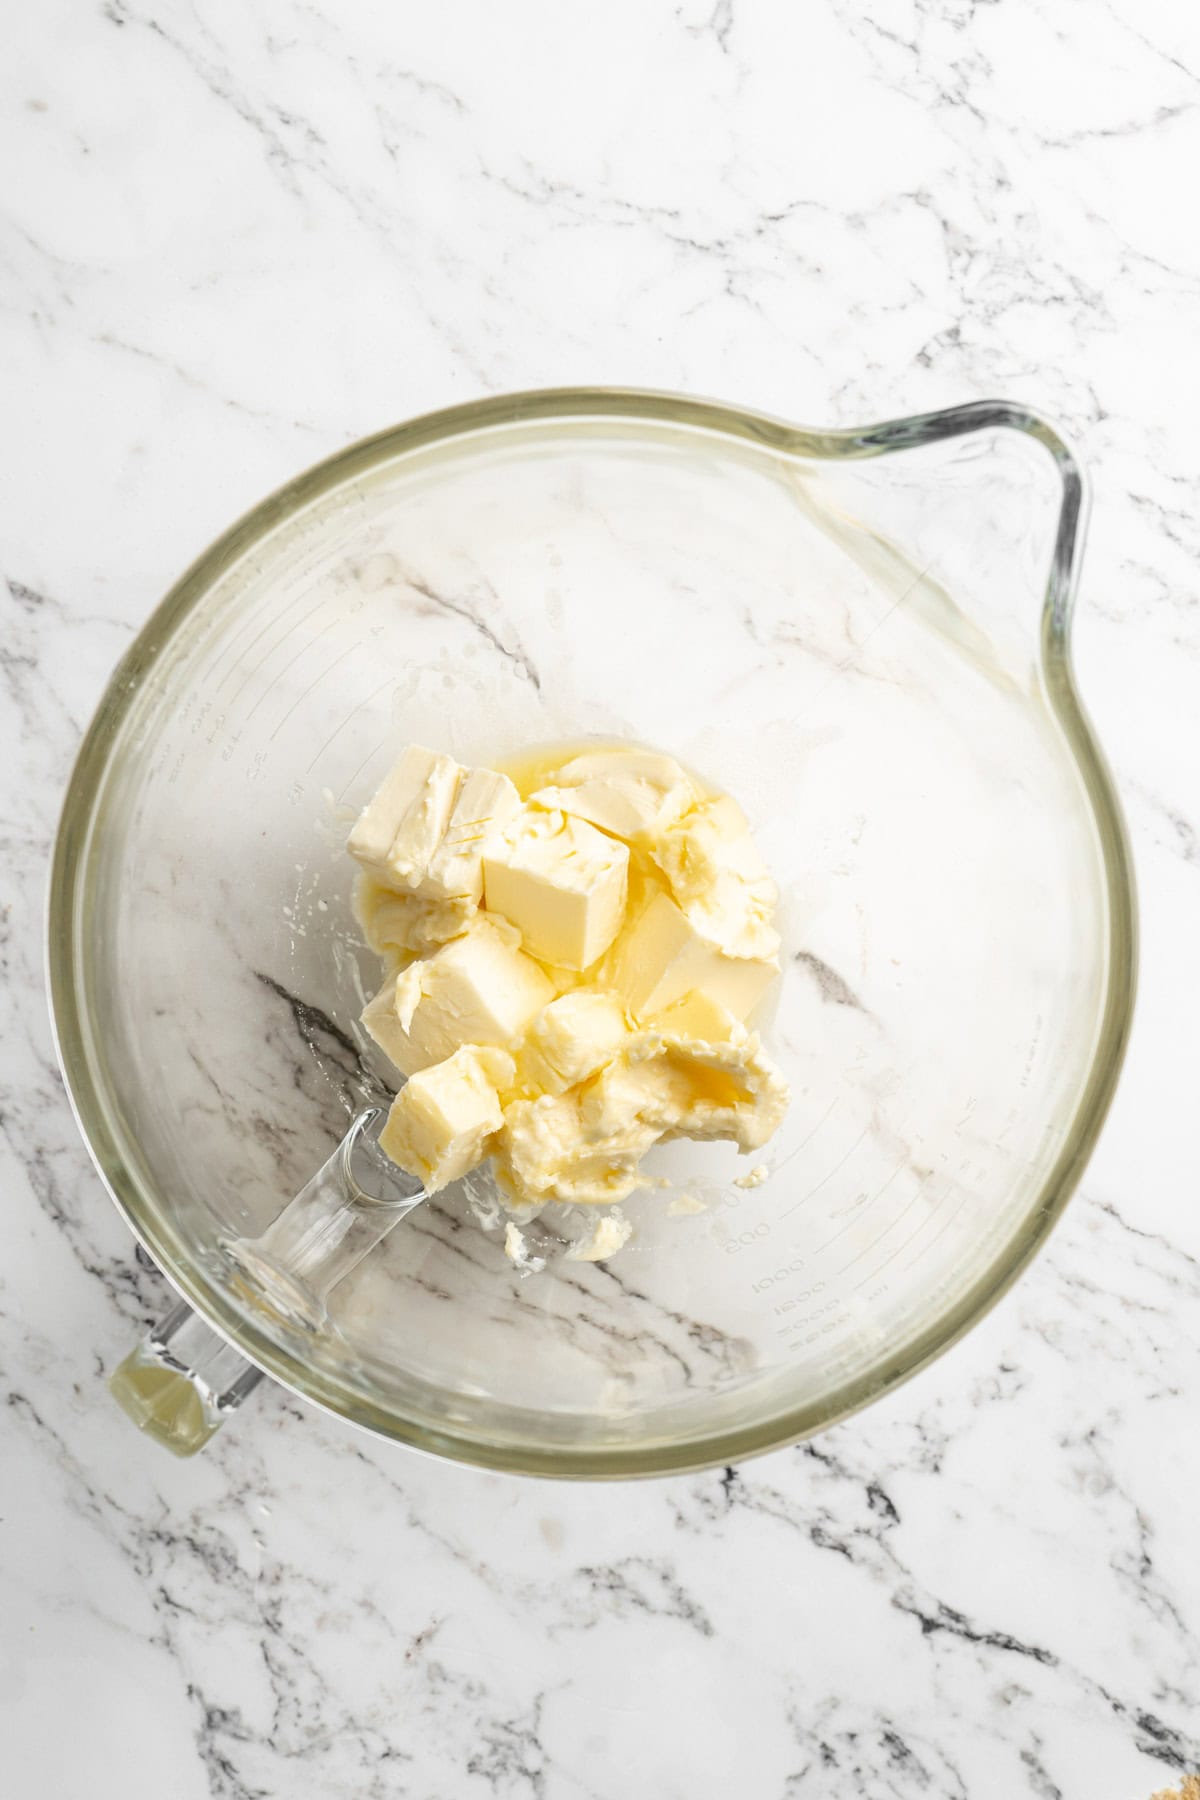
864, 636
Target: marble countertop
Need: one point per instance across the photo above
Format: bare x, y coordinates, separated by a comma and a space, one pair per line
234, 239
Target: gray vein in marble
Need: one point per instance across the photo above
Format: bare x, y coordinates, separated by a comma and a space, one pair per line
325, 1039
833, 988
868, 1547
463, 609
719, 23
198, 385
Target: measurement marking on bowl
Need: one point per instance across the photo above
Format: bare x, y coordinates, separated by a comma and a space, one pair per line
264, 659
788, 1272
301, 698
370, 757
857, 1213
903, 1214
389, 682
793, 1154
252, 615
826, 1325
933, 1240
279, 674
273, 619
828, 1177
285, 633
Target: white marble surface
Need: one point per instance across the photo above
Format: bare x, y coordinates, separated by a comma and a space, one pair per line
232, 240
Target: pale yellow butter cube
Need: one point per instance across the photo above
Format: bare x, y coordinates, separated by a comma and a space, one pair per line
663, 957
570, 976
719, 879
698, 1018
478, 989
711, 840
380, 1018
561, 883
634, 794
573, 1037
441, 1122
485, 804
393, 921
398, 830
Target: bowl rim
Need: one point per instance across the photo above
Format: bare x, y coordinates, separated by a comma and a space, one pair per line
149, 1218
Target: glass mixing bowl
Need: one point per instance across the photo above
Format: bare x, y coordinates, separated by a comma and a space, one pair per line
863, 635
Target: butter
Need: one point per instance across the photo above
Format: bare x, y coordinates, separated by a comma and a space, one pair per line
719, 880
478, 989
485, 804
426, 829
562, 884
663, 956
444, 1117
516, 1248
685, 1088
573, 1037
735, 1092
392, 921
572, 975
642, 1091
685, 1206
585, 1146
398, 831
547, 1152
698, 1016
380, 1018
607, 1236
634, 794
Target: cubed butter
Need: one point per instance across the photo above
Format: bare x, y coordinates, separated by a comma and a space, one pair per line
381, 1020
398, 830
442, 1120
573, 1037
633, 793
662, 957
698, 1018
478, 989
718, 878
486, 803
562, 884
570, 976
393, 921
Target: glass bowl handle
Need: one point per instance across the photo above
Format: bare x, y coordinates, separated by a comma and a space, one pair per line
184, 1379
